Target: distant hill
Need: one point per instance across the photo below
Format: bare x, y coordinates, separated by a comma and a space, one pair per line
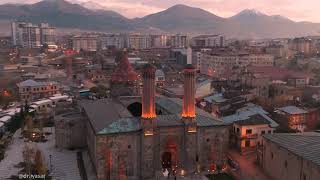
176, 19
181, 18
64, 14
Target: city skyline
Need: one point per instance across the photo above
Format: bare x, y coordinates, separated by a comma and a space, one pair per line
300, 11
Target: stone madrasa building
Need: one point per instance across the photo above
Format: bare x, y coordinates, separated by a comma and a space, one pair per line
135, 138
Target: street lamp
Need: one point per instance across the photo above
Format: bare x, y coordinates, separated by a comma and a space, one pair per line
50, 156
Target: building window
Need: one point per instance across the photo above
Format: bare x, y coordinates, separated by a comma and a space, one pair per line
271, 155
129, 146
238, 130
263, 132
208, 140
247, 143
269, 132
249, 131
304, 176
285, 164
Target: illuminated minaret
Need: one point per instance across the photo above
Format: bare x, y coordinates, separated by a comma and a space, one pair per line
148, 99
188, 111
189, 92
148, 122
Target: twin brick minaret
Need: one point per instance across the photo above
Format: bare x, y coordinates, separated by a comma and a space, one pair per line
148, 98
149, 114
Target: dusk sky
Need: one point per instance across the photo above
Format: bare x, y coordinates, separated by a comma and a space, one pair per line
299, 10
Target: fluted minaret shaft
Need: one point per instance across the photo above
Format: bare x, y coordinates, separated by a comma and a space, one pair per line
189, 92
148, 93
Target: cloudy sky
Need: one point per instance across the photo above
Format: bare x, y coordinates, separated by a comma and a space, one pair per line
299, 10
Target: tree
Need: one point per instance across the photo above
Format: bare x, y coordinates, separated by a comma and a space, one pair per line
40, 165
28, 154
100, 91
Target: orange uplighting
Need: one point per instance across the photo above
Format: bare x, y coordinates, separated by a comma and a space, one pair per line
148, 115
6, 94
188, 114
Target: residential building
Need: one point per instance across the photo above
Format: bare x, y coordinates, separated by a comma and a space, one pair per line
180, 55
278, 51
249, 123
85, 42
31, 90
138, 41
113, 40
208, 41
48, 34
179, 41
247, 133
301, 45
293, 117
291, 156
28, 35
159, 41
216, 63
159, 78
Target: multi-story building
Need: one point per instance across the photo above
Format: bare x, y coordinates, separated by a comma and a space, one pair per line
159, 41
208, 41
85, 42
112, 40
31, 90
159, 78
48, 34
137, 41
216, 63
179, 41
302, 45
249, 123
248, 132
293, 117
31, 36
197, 57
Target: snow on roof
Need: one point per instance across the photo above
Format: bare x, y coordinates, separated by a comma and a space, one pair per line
42, 102
5, 119
248, 111
215, 98
1, 124
292, 110
32, 83
12, 112
59, 97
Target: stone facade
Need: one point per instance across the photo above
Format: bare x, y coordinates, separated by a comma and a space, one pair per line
135, 156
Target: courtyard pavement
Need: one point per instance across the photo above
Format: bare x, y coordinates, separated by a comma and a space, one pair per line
63, 162
249, 170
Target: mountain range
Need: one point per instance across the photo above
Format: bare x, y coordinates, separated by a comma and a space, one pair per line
176, 19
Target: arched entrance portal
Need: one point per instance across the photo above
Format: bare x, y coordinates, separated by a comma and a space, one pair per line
166, 160
169, 157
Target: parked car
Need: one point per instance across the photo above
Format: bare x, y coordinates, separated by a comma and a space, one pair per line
233, 164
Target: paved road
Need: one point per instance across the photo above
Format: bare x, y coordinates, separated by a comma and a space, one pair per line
248, 169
